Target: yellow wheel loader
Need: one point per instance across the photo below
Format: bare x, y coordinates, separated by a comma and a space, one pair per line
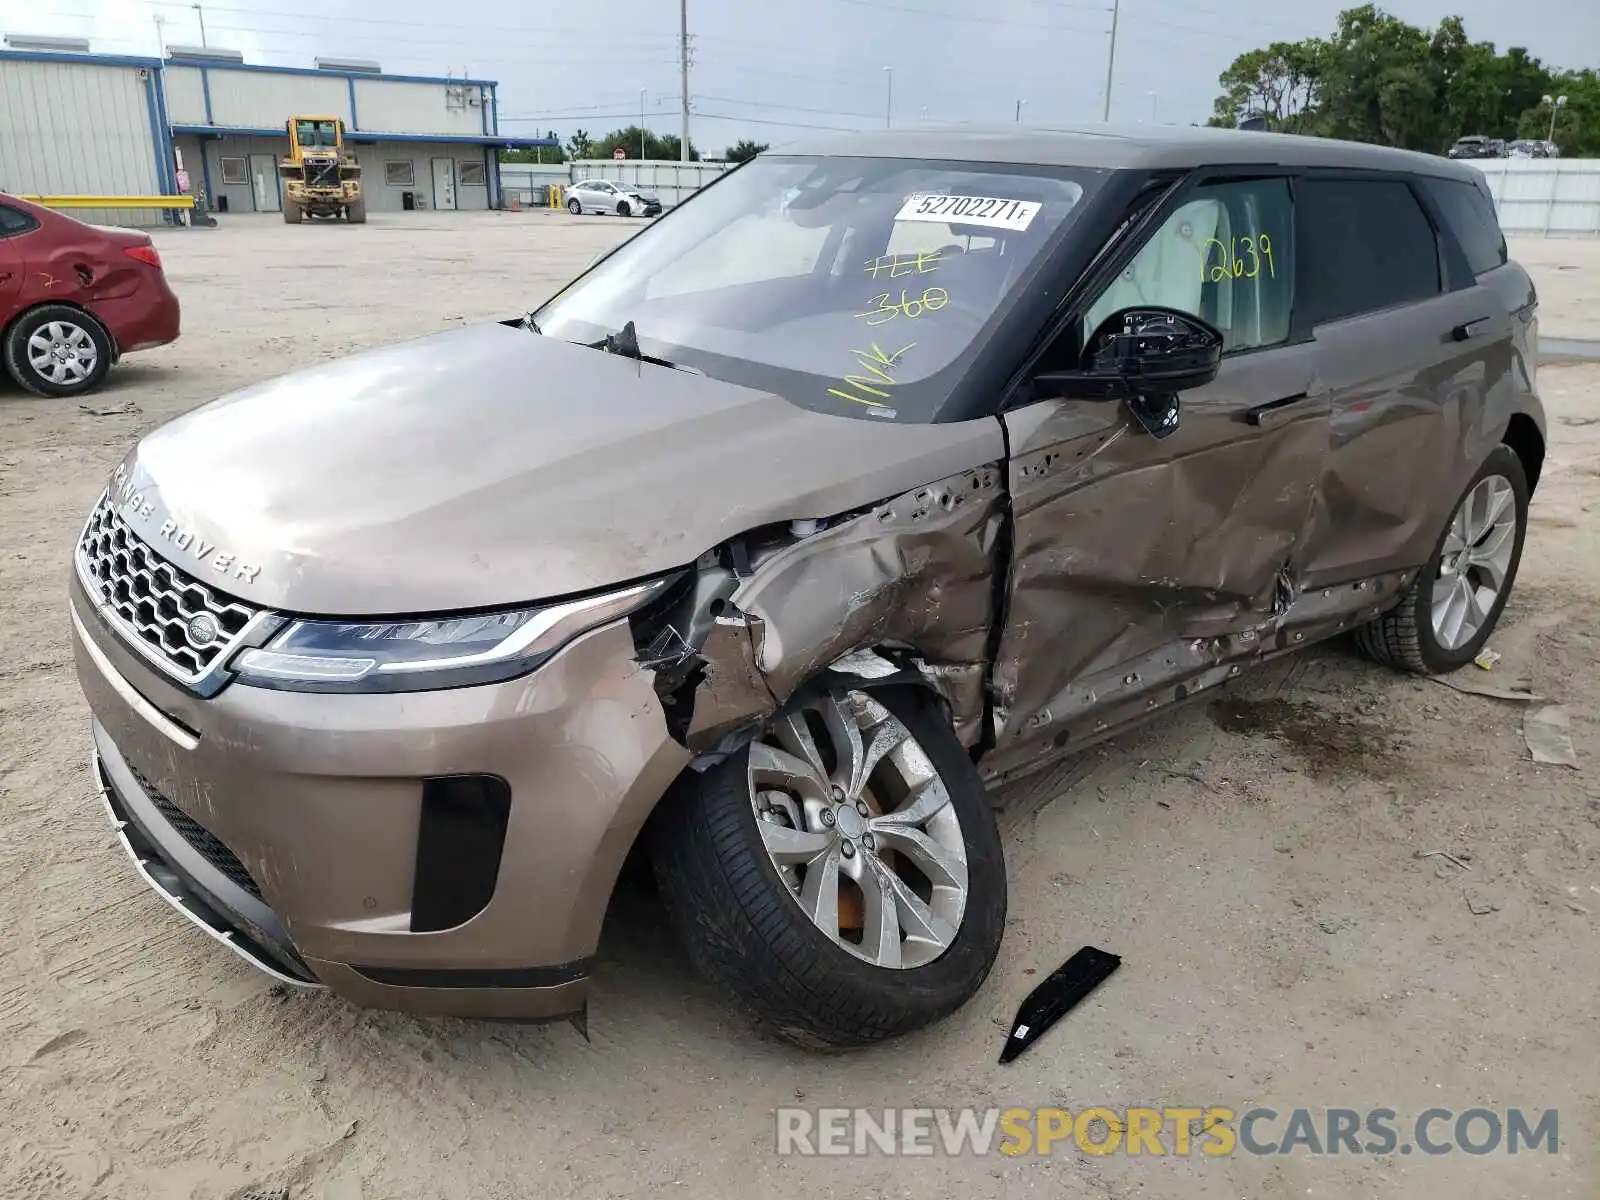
319, 178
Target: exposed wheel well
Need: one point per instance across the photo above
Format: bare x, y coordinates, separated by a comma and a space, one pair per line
116, 350
1523, 436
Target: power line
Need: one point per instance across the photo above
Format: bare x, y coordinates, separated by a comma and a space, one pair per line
710, 116
826, 112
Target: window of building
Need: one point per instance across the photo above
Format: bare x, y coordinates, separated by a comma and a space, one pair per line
1470, 214
235, 170
400, 173
1367, 245
472, 173
1226, 256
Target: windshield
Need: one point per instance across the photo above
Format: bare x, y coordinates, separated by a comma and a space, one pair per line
854, 286
316, 135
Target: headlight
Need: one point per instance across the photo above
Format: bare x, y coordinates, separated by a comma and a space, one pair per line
428, 653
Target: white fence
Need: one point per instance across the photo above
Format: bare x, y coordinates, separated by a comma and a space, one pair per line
673, 182
1551, 196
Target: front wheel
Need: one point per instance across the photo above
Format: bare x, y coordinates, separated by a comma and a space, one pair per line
842, 874
623, 210
1447, 614
356, 213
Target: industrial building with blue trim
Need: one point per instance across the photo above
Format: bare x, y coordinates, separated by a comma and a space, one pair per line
205, 123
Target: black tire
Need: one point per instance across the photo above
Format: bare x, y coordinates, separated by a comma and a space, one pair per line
1404, 637
292, 214
623, 209
356, 213
742, 927
23, 371
575, 208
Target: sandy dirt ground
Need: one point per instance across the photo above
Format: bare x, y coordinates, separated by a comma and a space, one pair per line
1252, 860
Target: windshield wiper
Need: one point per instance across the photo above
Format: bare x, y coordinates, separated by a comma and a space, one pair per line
625, 342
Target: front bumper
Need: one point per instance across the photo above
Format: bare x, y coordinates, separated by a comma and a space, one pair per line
292, 827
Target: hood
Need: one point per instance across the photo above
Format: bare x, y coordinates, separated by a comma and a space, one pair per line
491, 466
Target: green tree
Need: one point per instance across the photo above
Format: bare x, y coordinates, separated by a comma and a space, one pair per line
657, 147
1280, 82
743, 151
537, 154
580, 145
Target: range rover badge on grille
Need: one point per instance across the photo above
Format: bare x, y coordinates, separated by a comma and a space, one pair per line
201, 630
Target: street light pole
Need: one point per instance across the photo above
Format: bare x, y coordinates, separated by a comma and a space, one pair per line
1556, 104
888, 103
1111, 57
641, 124
1155, 102
1020, 103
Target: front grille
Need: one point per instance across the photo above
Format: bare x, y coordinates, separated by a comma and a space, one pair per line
153, 602
204, 842
322, 174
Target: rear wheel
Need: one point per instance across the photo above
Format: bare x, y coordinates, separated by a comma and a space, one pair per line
56, 350
1447, 614
843, 874
575, 207
292, 214
356, 214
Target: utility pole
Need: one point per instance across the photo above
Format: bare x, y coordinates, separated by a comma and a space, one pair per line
1020, 103
202, 12
641, 124
683, 70
1111, 58
888, 104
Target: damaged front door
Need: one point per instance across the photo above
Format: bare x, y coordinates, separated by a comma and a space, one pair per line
1137, 558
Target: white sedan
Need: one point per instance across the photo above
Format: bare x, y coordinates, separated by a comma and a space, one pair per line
603, 196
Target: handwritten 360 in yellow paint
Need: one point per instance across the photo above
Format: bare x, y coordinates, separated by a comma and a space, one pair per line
884, 308
876, 365
1231, 264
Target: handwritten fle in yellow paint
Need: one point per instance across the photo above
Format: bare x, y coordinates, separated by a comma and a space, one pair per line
876, 373
897, 265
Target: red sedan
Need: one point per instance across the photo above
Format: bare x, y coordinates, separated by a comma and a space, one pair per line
74, 298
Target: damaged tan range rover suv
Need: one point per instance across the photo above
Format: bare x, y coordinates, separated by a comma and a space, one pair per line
881, 470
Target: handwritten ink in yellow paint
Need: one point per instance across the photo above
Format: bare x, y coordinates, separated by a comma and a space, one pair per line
897, 266
1244, 258
876, 365
884, 308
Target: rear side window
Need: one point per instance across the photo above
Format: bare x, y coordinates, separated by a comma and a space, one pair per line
1364, 245
14, 221
1471, 217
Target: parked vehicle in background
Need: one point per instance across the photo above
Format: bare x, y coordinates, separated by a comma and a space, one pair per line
1551, 150
603, 196
1477, 146
890, 466
319, 178
75, 297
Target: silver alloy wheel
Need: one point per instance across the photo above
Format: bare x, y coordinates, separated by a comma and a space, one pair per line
62, 352
859, 826
1474, 561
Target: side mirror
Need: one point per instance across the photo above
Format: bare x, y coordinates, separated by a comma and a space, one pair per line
1144, 356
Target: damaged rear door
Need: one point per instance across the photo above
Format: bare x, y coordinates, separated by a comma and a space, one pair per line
1139, 563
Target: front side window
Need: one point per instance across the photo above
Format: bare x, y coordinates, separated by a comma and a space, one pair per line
860, 287
1226, 255
1366, 245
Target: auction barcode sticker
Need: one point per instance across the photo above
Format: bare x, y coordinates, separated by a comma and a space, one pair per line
992, 211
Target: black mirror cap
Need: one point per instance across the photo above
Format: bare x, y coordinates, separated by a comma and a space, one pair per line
1155, 349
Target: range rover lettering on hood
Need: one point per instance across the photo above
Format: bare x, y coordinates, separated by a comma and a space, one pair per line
138, 507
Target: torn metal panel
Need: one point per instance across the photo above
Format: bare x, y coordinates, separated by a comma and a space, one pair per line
1125, 544
757, 619
915, 573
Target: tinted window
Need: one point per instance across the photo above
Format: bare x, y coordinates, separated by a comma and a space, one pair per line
1226, 255
1471, 217
1364, 245
14, 221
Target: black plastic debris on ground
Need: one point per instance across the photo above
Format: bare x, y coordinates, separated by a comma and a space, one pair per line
1057, 996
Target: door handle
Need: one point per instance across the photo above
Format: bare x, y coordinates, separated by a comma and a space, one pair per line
1273, 411
1468, 330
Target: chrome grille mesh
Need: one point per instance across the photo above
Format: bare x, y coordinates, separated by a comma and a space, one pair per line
152, 601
